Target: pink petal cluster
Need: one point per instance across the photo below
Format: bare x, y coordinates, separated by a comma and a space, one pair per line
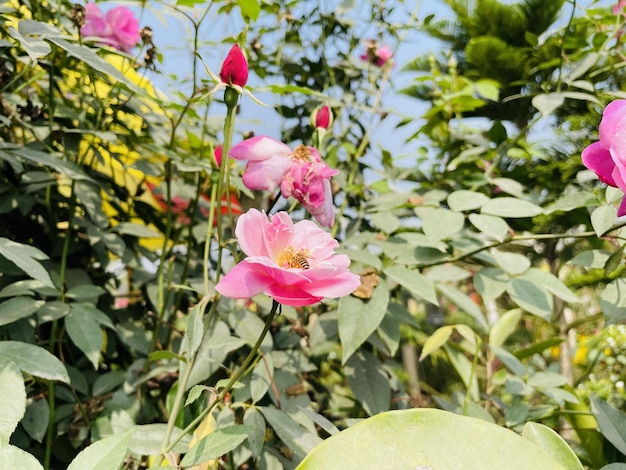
118, 28
607, 157
234, 69
375, 54
619, 7
295, 264
299, 173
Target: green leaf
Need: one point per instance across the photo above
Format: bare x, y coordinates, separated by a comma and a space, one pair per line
504, 327
86, 334
105, 454
297, 438
511, 263
551, 283
147, 438
369, 382
26, 258
421, 439
385, 221
548, 103
603, 218
52, 310
573, 201
591, 259
195, 328
490, 283
13, 458
436, 341
33, 359
547, 380
490, 225
509, 360
250, 9
465, 369
413, 281
614, 261
85, 292
136, 230
613, 301
464, 200
552, 443
256, 437
510, 207
464, 302
36, 418
34, 47
612, 423
219, 442
531, 298
358, 319
13, 403
439, 224
18, 307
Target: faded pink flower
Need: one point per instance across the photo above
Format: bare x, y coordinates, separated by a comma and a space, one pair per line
607, 157
375, 54
118, 28
322, 117
295, 264
234, 69
619, 7
299, 173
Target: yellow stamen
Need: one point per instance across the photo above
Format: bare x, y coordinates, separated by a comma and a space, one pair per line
289, 258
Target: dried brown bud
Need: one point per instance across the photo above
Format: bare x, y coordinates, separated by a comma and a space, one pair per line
77, 15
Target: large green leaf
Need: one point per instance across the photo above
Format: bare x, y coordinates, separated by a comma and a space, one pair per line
358, 319
18, 307
369, 382
428, 439
219, 442
613, 301
12, 457
26, 258
105, 454
86, 334
552, 443
413, 281
33, 359
440, 224
511, 207
297, 438
531, 297
13, 403
612, 423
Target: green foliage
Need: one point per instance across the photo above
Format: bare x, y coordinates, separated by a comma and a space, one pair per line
491, 261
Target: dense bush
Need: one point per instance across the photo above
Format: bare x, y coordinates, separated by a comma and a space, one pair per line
151, 315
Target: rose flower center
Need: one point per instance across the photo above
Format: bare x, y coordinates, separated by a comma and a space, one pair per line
302, 153
292, 259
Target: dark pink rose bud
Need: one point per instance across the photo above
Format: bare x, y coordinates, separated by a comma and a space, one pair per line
323, 117
234, 70
217, 153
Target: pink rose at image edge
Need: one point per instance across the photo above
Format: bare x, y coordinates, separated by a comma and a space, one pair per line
234, 70
118, 28
607, 157
300, 173
619, 7
295, 264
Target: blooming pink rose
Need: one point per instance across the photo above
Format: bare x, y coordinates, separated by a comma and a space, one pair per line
607, 157
295, 264
375, 54
234, 69
118, 28
299, 173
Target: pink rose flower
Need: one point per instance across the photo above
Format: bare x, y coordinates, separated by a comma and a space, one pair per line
299, 173
295, 264
118, 28
607, 157
234, 69
375, 54
322, 117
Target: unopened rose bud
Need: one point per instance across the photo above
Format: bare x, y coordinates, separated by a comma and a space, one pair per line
217, 153
234, 70
322, 117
